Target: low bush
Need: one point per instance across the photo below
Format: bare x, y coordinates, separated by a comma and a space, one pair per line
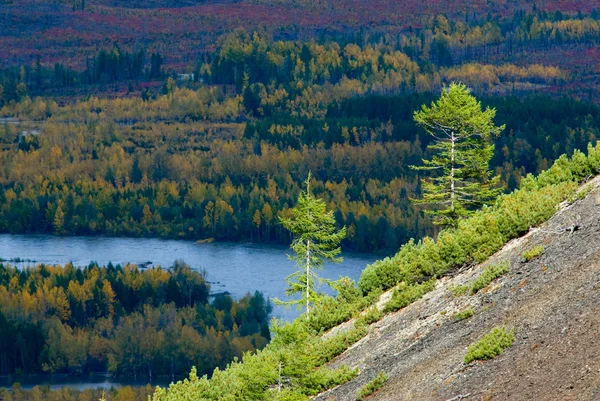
372, 386
490, 274
533, 253
372, 315
322, 379
333, 346
491, 345
581, 194
328, 312
405, 294
467, 313
459, 290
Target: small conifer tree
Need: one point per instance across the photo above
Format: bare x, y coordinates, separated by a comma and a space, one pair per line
315, 239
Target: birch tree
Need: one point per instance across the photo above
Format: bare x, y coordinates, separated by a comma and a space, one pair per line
459, 179
315, 240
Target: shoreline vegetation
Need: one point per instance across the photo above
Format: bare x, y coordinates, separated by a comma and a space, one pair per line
123, 320
37, 393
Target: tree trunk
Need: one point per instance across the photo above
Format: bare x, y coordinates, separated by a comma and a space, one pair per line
307, 276
279, 379
452, 157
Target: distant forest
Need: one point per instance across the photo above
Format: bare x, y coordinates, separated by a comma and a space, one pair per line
201, 120
482, 51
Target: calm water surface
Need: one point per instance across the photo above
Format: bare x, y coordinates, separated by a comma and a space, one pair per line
233, 267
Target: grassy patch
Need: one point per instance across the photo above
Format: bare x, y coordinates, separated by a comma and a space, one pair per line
533, 253
491, 345
405, 295
372, 386
467, 313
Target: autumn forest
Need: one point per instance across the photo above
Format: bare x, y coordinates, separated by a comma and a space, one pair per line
210, 135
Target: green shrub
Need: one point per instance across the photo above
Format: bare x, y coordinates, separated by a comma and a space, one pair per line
372, 315
490, 274
533, 253
467, 313
405, 294
285, 395
491, 345
459, 290
323, 378
372, 386
581, 194
328, 312
346, 290
329, 348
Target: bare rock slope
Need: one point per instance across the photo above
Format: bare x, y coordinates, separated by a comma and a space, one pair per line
552, 302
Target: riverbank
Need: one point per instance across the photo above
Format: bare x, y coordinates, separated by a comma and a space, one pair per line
230, 267
77, 383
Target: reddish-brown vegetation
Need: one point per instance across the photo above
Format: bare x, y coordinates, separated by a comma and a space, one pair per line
185, 29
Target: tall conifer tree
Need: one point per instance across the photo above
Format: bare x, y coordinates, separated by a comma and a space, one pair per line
460, 179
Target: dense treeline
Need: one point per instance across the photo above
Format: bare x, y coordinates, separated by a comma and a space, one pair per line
299, 77
122, 320
43, 393
108, 66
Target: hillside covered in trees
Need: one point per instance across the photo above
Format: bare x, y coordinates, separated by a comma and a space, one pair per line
321, 354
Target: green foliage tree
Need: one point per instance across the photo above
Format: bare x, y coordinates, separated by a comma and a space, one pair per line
462, 180
316, 239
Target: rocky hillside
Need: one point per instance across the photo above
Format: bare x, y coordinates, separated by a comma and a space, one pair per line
551, 301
